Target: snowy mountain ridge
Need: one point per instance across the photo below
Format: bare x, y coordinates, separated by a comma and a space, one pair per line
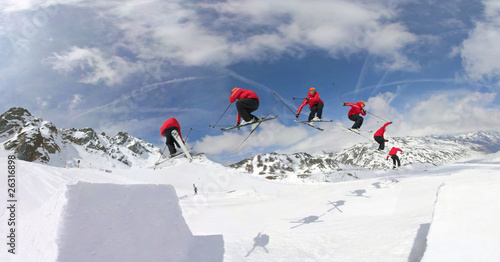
35, 140
341, 165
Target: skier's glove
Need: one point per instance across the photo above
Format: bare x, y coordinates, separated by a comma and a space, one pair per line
386, 140
343, 104
307, 98
296, 115
364, 111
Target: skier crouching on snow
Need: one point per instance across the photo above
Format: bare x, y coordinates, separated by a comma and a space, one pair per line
394, 156
379, 136
166, 130
315, 104
247, 102
353, 114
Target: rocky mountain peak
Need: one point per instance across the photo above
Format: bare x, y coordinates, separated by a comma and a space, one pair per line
33, 139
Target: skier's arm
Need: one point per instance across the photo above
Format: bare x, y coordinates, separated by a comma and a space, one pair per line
348, 104
301, 106
234, 96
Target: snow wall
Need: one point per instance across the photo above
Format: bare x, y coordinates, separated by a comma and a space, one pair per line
464, 226
115, 222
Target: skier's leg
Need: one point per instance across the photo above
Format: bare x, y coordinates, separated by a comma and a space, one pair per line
380, 140
246, 106
320, 110
397, 159
358, 121
170, 140
314, 109
394, 160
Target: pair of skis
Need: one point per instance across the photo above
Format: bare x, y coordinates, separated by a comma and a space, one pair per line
254, 127
185, 151
312, 121
359, 132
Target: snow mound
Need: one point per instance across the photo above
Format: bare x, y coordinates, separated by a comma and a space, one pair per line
116, 222
464, 225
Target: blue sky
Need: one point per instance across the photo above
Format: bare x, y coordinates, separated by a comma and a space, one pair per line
430, 67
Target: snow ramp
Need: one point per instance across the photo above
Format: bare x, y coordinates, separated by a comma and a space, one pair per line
465, 224
114, 222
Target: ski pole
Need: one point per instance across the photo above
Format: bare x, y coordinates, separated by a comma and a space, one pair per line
298, 98
376, 116
161, 154
338, 93
185, 140
213, 126
284, 103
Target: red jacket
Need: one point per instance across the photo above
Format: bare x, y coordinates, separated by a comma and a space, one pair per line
241, 94
381, 131
313, 100
393, 151
356, 109
171, 122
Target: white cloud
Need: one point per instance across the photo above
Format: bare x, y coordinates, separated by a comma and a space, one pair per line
479, 52
224, 33
94, 65
439, 114
269, 135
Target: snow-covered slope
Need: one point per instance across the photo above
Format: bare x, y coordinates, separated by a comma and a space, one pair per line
35, 140
393, 216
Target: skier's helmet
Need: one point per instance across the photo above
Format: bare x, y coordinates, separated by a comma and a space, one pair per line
362, 103
234, 89
312, 89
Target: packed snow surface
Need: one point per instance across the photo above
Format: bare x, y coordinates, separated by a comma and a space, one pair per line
444, 213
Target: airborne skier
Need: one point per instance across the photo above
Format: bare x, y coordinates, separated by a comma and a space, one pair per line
394, 156
315, 104
353, 114
379, 136
170, 129
247, 102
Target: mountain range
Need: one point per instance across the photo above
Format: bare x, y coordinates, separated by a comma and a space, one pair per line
36, 140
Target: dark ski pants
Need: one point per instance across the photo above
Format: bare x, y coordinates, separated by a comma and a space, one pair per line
171, 142
381, 141
246, 106
358, 121
316, 109
395, 159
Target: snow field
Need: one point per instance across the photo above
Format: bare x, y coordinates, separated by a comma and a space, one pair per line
389, 216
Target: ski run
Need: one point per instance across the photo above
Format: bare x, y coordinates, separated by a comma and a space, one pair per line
416, 213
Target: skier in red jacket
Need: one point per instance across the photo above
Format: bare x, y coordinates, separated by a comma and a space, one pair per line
379, 136
247, 102
394, 156
315, 104
166, 130
353, 114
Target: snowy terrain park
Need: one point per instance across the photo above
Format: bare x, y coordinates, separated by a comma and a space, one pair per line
416, 213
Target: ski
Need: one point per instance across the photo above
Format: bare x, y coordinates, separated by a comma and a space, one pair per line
307, 124
357, 132
167, 158
177, 138
258, 122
